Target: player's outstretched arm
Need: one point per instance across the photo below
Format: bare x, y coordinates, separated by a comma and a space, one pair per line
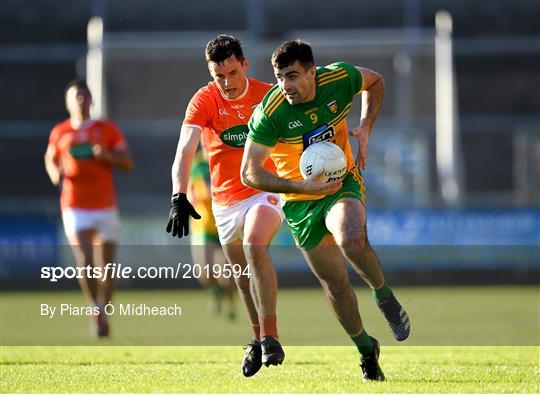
181, 208
254, 175
185, 151
372, 97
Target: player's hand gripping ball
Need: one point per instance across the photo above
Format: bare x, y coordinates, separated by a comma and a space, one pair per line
324, 159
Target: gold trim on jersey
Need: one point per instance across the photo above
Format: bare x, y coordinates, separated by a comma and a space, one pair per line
342, 115
275, 94
360, 180
291, 140
328, 77
275, 107
337, 78
273, 103
331, 74
357, 176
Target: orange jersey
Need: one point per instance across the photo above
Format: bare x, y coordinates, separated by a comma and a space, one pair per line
224, 132
87, 183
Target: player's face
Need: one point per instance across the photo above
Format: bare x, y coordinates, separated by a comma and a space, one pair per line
78, 101
296, 82
230, 76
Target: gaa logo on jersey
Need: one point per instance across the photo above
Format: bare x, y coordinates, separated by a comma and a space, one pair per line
235, 136
322, 133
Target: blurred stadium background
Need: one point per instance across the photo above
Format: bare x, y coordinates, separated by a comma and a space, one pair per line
485, 229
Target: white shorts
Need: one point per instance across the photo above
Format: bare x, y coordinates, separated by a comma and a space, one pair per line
106, 222
230, 219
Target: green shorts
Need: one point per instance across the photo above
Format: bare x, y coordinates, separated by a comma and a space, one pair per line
306, 217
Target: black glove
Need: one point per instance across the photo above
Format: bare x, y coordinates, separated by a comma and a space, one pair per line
181, 210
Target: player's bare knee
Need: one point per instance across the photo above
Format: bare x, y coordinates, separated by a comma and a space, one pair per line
258, 239
256, 252
353, 242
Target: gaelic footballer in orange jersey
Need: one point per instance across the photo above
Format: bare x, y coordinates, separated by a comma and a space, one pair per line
245, 217
224, 123
87, 183
80, 157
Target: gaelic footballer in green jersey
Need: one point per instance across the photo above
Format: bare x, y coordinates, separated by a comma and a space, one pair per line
328, 220
322, 119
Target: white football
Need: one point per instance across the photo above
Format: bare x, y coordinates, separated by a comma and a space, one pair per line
323, 158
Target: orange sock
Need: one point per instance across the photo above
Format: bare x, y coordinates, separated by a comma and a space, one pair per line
269, 325
256, 329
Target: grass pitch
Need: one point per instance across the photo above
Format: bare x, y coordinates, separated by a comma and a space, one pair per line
464, 340
129, 369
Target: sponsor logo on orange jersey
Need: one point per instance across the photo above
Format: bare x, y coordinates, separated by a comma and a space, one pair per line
235, 136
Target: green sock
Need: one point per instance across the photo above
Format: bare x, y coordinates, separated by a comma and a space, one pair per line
382, 293
363, 343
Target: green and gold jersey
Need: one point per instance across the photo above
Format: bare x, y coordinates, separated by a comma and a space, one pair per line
290, 129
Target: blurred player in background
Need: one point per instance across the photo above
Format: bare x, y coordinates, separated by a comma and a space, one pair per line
80, 158
205, 247
328, 220
245, 217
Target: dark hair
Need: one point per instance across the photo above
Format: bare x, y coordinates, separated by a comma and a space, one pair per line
78, 84
291, 51
223, 47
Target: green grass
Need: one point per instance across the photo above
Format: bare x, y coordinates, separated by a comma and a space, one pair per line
464, 340
477, 316
129, 369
